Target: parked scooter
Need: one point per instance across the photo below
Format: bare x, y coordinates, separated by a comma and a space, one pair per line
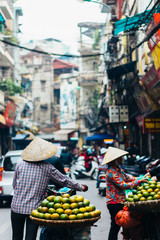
81, 172
139, 167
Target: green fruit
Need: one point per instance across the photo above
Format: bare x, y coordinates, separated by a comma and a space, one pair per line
44, 203
136, 198
50, 204
63, 216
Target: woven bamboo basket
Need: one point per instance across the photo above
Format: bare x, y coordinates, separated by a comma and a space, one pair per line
65, 223
144, 206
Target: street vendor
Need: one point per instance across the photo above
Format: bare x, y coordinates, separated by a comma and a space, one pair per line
31, 179
117, 181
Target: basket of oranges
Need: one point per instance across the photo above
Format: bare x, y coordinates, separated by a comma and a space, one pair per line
65, 211
145, 198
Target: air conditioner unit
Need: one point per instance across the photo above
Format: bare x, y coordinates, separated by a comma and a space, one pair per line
123, 113
113, 114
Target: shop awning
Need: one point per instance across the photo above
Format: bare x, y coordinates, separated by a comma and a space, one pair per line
63, 134
133, 23
2, 119
99, 137
1, 19
120, 70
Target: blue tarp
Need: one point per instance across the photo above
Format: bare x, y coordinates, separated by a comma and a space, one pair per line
99, 137
20, 137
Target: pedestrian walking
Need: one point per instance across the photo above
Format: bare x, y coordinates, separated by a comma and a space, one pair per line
117, 181
31, 179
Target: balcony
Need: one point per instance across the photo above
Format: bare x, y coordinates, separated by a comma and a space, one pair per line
6, 58
6, 9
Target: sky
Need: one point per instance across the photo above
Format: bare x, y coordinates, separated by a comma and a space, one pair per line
57, 19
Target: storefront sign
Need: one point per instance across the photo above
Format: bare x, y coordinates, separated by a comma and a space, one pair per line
10, 113
151, 125
153, 41
150, 79
144, 102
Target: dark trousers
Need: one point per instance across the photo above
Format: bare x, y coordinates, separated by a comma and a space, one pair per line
18, 220
114, 229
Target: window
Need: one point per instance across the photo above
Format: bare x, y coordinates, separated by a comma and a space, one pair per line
43, 85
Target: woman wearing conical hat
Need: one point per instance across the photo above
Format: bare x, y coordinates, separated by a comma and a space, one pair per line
117, 181
32, 176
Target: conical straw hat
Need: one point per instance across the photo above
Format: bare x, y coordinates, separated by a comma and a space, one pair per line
112, 154
38, 150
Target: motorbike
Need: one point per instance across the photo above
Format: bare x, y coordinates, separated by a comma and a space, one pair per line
101, 181
81, 172
67, 170
139, 167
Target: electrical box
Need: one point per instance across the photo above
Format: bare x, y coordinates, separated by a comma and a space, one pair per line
113, 113
123, 113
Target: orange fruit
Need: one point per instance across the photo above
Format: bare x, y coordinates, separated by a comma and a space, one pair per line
51, 198
149, 190
152, 194
68, 211
80, 216
153, 186
136, 198
97, 212
57, 199
80, 204
74, 205
72, 199
65, 200
34, 213
92, 214
47, 216
55, 216
44, 209
59, 210
88, 208
57, 205
145, 194
87, 215
142, 199
39, 208
75, 211
79, 198
156, 190
82, 210
93, 207
51, 210
156, 196
65, 205
40, 215
150, 198
72, 217
65, 195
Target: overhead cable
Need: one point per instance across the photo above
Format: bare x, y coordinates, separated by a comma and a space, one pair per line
50, 54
